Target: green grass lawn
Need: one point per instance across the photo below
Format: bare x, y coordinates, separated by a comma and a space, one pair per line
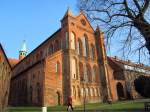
132, 106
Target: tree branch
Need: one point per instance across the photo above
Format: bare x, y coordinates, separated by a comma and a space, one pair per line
128, 10
145, 7
137, 5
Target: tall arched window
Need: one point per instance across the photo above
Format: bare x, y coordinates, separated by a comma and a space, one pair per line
85, 73
86, 91
91, 91
74, 68
38, 92
81, 71
89, 73
94, 74
95, 92
79, 47
74, 92
57, 67
79, 94
92, 52
82, 92
98, 93
85, 45
72, 41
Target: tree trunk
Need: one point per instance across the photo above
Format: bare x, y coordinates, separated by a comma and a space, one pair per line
144, 28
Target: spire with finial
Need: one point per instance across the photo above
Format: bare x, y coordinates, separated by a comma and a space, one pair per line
23, 50
68, 12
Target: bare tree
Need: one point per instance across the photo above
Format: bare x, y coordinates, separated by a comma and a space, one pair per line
130, 17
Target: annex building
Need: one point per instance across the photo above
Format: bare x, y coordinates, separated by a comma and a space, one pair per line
71, 62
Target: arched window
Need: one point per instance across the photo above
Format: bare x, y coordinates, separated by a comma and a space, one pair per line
74, 92
95, 92
85, 74
86, 91
79, 94
94, 76
85, 45
81, 71
79, 47
98, 93
82, 92
74, 68
57, 67
38, 92
89, 73
72, 41
92, 52
91, 91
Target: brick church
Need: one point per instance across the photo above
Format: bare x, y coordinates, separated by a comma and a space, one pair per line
71, 62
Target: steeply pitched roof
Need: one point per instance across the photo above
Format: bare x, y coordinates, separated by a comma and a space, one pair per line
13, 62
68, 13
5, 55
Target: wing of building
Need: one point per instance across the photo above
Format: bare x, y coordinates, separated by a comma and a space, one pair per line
72, 62
123, 74
5, 76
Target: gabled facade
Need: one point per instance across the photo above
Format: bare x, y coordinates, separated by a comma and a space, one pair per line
68, 63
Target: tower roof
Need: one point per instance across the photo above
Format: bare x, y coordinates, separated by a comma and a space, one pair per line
23, 47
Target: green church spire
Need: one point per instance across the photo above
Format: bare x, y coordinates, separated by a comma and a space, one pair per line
23, 50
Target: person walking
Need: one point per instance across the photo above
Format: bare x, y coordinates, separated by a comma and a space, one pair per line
69, 104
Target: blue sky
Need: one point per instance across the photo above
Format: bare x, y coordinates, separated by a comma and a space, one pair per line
33, 21
30, 20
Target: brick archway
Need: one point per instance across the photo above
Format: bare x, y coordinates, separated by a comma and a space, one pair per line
120, 91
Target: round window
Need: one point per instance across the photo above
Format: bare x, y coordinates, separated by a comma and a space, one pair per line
83, 22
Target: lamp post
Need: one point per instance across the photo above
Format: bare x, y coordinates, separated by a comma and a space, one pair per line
84, 95
84, 100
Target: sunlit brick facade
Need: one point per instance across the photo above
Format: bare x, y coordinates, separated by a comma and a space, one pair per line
71, 62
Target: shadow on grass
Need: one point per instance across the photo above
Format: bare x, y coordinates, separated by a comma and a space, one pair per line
124, 106
77, 110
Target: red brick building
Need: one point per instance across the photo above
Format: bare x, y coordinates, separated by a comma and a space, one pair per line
5, 76
71, 62
123, 74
